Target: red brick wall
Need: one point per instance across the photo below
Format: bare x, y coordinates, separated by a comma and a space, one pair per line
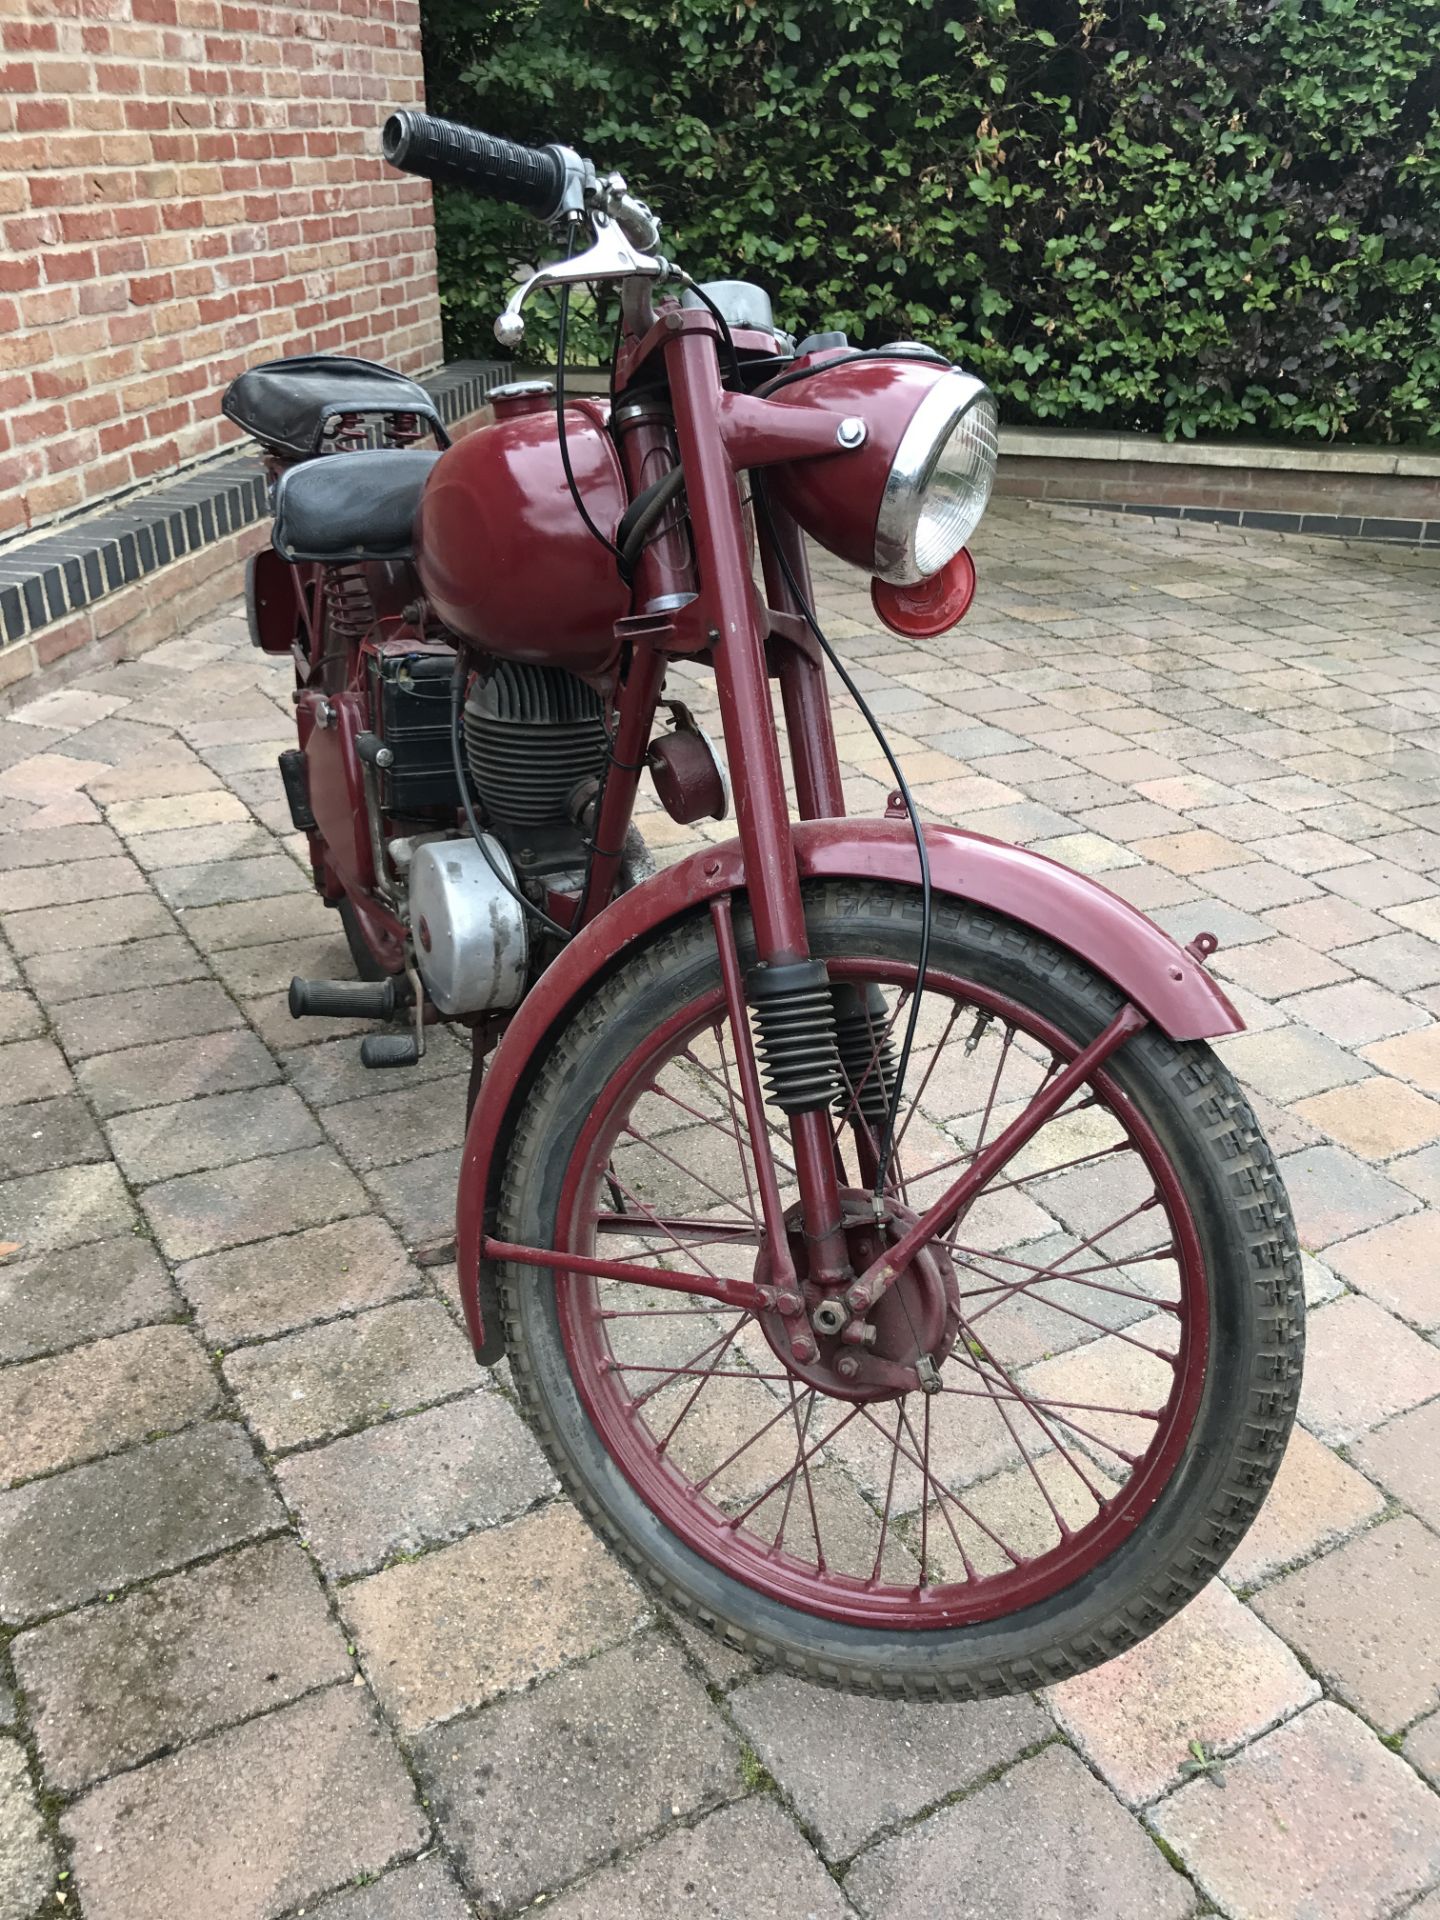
188, 186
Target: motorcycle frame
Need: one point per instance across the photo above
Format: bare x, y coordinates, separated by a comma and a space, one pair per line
702, 603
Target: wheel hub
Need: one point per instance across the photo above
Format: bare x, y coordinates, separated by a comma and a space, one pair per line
882, 1354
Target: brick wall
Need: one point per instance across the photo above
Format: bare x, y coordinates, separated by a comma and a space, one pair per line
188, 186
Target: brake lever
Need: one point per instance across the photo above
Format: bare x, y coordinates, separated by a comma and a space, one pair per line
612, 257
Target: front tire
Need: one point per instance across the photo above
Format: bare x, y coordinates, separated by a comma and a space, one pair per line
1014, 1608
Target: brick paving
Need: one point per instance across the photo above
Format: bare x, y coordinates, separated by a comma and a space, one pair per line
292, 1616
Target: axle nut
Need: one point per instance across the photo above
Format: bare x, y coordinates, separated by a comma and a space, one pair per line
829, 1317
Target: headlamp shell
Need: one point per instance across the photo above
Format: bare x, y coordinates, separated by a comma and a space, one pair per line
904, 502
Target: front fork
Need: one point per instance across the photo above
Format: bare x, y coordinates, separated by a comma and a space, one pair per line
747, 718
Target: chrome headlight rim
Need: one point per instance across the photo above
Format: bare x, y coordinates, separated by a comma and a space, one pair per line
931, 426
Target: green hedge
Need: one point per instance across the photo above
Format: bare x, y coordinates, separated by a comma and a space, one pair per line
1222, 216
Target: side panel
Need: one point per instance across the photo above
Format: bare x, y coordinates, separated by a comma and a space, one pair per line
1071, 909
337, 790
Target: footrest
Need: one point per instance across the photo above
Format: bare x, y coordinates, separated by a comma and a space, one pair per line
389, 1050
296, 780
343, 999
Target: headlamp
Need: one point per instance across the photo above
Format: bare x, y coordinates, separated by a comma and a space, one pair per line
940, 480
904, 503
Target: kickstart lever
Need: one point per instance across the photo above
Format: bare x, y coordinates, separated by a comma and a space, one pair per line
399, 1049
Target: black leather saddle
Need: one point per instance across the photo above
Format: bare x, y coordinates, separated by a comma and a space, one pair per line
287, 404
350, 506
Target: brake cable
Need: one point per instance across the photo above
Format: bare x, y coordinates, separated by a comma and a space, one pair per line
570, 481
807, 613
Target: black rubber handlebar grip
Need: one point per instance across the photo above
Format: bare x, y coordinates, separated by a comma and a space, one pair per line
528, 177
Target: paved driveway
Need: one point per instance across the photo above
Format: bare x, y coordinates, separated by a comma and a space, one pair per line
290, 1604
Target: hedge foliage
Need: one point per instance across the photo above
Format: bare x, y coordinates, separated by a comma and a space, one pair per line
1190, 216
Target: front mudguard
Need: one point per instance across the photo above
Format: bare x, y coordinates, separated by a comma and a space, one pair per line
1162, 979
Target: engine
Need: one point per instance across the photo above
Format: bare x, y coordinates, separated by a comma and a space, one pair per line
535, 745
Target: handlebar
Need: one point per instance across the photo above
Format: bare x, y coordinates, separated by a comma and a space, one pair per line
455, 156
554, 184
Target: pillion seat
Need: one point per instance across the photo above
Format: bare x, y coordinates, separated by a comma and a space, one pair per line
287, 404
350, 506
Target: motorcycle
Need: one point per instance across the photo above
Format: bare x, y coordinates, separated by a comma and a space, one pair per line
893, 1275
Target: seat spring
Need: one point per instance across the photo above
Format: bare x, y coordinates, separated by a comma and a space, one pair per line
349, 434
349, 607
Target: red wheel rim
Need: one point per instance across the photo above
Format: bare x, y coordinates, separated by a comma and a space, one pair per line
1069, 1434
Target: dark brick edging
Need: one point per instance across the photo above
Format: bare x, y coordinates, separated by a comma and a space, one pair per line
1329, 526
74, 565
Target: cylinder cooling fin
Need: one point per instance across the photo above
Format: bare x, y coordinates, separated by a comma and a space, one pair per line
532, 735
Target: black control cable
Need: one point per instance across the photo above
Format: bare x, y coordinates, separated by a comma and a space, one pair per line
570, 481
807, 614
728, 338
927, 356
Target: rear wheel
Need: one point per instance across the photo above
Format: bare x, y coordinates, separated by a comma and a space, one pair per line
1117, 1317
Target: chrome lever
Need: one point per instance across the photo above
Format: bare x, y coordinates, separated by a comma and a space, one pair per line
612, 257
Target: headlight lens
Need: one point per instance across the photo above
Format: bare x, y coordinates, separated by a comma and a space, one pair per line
940, 480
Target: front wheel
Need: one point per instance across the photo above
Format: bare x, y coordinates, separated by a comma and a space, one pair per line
1118, 1315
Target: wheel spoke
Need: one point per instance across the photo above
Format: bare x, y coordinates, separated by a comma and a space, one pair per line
1005, 1046
807, 1455
778, 1543
696, 1373
1019, 1446
661, 1153
889, 1496
852, 1114
939, 1048
688, 1233
723, 1342
1057, 1270
924, 1504
736, 1116
776, 1137
801, 1429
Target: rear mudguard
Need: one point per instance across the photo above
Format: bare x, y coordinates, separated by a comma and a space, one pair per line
1161, 978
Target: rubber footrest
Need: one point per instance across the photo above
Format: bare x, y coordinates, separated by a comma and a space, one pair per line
343, 999
389, 1050
295, 778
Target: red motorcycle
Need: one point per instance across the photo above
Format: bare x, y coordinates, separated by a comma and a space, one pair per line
892, 1274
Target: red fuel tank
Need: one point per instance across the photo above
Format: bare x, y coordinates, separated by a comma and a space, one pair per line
502, 553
